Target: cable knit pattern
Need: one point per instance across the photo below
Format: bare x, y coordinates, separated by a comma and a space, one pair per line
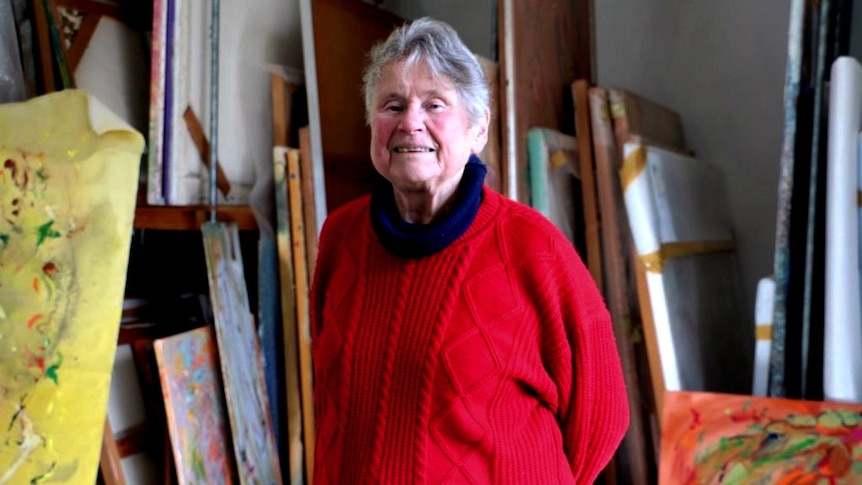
490, 361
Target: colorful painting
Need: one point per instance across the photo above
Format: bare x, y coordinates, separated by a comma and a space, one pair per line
68, 178
746, 440
194, 403
240, 356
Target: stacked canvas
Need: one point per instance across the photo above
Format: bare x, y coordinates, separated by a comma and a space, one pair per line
181, 98
842, 356
678, 213
554, 180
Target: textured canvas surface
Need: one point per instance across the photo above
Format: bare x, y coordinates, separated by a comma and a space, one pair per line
67, 195
240, 358
195, 407
745, 440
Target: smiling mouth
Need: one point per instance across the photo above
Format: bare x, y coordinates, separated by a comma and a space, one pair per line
412, 150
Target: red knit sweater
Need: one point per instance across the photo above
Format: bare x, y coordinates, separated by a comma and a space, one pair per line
492, 361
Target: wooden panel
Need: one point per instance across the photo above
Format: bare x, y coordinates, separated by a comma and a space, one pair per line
614, 243
190, 218
552, 47
109, 465
344, 31
295, 448
240, 357
588, 179
491, 153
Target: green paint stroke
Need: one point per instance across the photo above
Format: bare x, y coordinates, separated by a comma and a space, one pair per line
198, 467
44, 476
41, 174
46, 232
4, 240
788, 453
51, 371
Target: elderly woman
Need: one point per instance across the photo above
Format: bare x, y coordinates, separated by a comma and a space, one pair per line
457, 336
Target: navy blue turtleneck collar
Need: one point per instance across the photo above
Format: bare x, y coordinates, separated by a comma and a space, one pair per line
410, 240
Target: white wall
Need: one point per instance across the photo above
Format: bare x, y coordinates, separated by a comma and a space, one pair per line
720, 64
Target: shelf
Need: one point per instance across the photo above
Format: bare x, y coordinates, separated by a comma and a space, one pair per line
190, 218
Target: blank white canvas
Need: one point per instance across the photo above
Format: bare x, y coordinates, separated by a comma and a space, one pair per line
704, 341
842, 356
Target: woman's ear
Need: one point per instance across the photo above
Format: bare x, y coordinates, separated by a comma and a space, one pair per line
481, 132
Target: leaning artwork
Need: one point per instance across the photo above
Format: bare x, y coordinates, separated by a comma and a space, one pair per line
710, 438
195, 407
68, 177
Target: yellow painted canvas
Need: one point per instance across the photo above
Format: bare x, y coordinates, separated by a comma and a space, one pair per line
68, 179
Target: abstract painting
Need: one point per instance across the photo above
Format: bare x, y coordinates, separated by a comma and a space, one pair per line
194, 403
68, 177
240, 356
710, 438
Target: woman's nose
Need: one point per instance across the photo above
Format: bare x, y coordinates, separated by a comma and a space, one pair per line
413, 119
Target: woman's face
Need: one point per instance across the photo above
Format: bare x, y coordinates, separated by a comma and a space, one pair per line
421, 135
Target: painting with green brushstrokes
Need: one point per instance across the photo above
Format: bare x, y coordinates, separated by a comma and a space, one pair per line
68, 176
710, 438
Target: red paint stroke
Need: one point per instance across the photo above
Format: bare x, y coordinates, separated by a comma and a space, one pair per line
49, 268
742, 416
34, 360
32, 321
36, 284
10, 165
695, 419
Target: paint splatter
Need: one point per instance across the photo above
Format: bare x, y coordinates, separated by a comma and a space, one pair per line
51, 371
45, 232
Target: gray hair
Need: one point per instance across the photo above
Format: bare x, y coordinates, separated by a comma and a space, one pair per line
447, 57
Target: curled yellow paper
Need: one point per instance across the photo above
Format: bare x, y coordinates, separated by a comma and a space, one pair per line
68, 180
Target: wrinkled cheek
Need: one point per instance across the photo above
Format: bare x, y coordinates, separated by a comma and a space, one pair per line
380, 135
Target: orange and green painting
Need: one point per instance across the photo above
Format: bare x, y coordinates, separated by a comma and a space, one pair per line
68, 178
746, 440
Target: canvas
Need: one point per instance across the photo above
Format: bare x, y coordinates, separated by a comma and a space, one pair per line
679, 217
746, 440
67, 199
842, 352
195, 407
555, 186
240, 358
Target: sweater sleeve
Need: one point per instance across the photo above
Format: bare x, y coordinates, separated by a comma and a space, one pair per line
596, 416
